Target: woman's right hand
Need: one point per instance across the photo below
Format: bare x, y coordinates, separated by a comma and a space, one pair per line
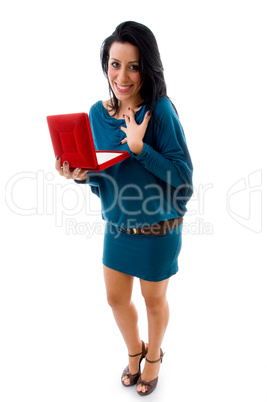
75, 174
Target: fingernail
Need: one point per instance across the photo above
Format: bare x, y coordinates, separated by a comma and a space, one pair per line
123, 115
121, 142
129, 108
149, 113
65, 163
57, 158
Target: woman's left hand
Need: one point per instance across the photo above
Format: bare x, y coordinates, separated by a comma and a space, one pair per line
135, 132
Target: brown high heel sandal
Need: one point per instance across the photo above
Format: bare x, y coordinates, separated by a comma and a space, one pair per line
151, 385
134, 377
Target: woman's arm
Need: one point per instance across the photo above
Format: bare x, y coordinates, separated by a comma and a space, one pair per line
169, 160
80, 176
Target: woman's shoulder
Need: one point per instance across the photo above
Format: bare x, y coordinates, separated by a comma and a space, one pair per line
164, 107
106, 104
101, 107
96, 106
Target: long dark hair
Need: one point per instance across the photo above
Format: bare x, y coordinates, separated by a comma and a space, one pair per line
150, 65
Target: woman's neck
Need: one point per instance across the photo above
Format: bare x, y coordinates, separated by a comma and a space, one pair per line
124, 106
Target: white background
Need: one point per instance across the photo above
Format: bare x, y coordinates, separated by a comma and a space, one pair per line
58, 339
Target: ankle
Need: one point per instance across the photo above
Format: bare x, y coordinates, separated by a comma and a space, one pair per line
135, 349
154, 357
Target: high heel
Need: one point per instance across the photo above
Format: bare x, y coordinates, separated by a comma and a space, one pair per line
134, 377
151, 385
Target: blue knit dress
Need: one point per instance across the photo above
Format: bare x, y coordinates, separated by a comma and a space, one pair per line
142, 190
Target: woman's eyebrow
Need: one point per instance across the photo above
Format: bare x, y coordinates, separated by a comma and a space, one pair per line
130, 62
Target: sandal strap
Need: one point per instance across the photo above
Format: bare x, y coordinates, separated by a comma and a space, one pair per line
141, 353
156, 361
138, 354
151, 385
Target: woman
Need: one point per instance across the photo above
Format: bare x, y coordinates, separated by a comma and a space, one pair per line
143, 198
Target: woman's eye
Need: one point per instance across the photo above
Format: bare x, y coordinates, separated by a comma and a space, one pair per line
134, 67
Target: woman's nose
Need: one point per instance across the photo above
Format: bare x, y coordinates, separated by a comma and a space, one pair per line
123, 75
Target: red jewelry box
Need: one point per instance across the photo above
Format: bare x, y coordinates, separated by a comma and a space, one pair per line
72, 141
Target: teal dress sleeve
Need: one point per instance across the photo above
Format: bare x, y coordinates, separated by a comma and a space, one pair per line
169, 159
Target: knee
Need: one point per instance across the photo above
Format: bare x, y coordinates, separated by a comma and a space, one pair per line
116, 300
155, 304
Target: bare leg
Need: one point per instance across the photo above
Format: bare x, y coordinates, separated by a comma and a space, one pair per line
119, 295
157, 307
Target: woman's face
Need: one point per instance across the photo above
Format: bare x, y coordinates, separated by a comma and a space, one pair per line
123, 72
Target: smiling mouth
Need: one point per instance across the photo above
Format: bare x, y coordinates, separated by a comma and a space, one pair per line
122, 88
